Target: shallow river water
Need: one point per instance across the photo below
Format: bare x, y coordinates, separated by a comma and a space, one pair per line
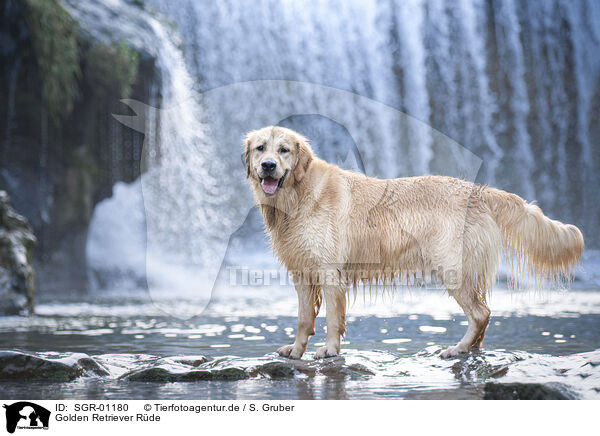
539, 345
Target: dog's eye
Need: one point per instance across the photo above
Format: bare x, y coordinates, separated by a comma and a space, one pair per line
260, 147
283, 150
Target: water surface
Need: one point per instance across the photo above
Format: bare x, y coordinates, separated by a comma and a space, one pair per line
544, 344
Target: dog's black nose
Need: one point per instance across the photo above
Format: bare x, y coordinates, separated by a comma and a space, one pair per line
268, 166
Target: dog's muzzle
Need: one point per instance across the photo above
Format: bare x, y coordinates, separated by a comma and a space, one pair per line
270, 185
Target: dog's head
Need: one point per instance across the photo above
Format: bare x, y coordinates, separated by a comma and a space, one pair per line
276, 157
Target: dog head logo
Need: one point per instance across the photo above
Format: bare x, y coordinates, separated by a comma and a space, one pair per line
26, 415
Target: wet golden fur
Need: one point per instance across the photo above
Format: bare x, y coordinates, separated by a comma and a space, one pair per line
334, 228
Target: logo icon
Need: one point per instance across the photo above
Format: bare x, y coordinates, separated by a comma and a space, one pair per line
26, 415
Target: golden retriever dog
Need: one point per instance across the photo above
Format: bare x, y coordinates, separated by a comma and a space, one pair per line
334, 229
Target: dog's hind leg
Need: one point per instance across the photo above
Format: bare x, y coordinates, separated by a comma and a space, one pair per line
335, 299
309, 303
478, 315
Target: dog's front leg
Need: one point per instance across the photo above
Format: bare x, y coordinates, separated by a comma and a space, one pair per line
308, 307
335, 299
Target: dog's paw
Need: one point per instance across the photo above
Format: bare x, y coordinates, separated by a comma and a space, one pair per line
290, 352
452, 351
326, 351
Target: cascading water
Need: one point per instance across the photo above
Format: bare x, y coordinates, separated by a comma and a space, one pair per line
515, 83
162, 228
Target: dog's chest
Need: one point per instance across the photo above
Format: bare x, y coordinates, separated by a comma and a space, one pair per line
307, 240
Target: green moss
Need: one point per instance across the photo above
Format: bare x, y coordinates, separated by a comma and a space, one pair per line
112, 69
54, 40
82, 162
79, 180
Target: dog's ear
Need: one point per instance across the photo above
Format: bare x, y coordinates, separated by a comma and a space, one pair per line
305, 157
247, 156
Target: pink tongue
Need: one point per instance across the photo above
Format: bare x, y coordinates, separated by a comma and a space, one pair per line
269, 185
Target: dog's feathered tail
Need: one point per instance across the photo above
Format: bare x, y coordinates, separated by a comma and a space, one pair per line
537, 247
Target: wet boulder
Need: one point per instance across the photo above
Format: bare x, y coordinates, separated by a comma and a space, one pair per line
224, 368
15, 365
185, 360
17, 284
526, 391
165, 373
274, 370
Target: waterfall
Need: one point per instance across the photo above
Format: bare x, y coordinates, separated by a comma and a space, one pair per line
395, 83
163, 228
414, 92
511, 81
512, 95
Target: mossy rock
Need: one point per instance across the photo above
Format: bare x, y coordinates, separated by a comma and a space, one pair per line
54, 41
112, 68
17, 279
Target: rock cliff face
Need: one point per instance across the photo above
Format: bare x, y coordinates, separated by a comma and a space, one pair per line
61, 151
17, 288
